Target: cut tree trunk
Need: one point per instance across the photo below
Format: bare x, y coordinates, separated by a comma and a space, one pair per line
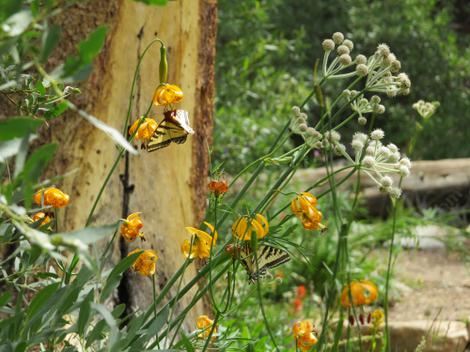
167, 186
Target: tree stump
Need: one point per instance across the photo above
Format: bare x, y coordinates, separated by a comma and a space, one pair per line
167, 186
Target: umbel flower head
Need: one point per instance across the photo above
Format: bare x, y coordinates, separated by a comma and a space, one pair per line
359, 293
51, 196
146, 262
380, 162
145, 128
304, 206
40, 215
218, 187
304, 334
130, 228
204, 323
201, 242
167, 94
243, 227
426, 109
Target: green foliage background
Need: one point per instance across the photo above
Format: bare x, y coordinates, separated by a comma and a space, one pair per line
267, 49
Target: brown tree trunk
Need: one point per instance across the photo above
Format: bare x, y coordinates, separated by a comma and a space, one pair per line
168, 186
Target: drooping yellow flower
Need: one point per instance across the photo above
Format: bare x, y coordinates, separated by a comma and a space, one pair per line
130, 228
166, 94
52, 196
41, 216
304, 334
362, 292
146, 263
201, 242
304, 206
377, 318
203, 322
244, 227
145, 129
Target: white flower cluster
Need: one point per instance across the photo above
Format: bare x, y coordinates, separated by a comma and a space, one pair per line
362, 105
426, 109
299, 126
381, 69
380, 162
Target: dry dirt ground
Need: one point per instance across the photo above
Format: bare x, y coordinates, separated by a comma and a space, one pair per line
430, 284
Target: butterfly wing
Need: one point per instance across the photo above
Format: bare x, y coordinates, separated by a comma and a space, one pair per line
166, 133
268, 258
174, 128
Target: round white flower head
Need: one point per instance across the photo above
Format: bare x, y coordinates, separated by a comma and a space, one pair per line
362, 70
328, 45
389, 59
347, 93
391, 91
395, 192
405, 91
370, 150
394, 157
385, 152
386, 181
404, 80
303, 127
313, 132
349, 44
340, 149
360, 137
338, 37
296, 110
375, 99
357, 144
332, 136
301, 120
368, 161
383, 50
345, 59
379, 109
395, 66
404, 170
360, 59
361, 120
303, 115
392, 147
406, 161
342, 49
377, 134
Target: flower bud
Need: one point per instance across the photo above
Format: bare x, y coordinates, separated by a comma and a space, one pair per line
342, 49
368, 161
345, 59
303, 127
395, 66
386, 181
338, 37
362, 70
375, 99
379, 109
360, 59
392, 147
296, 110
362, 120
383, 50
349, 44
328, 45
404, 170
377, 134
395, 192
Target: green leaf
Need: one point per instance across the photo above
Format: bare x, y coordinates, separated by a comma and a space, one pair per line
42, 297
153, 2
96, 333
17, 127
88, 235
4, 298
110, 321
50, 40
78, 67
115, 276
84, 313
186, 342
91, 47
33, 169
157, 324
